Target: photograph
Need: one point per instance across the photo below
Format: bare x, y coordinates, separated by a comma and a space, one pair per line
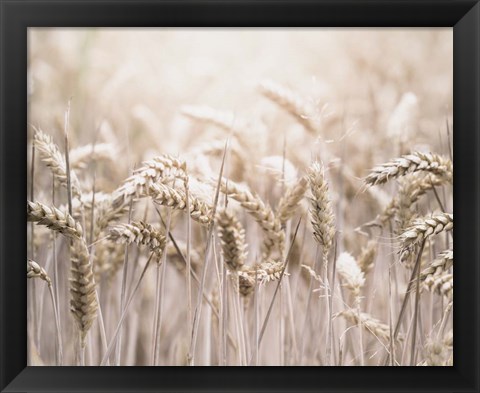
240, 196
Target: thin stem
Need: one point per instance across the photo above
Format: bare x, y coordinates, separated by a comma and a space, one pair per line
328, 348
417, 305
255, 321
81, 352
55, 261
33, 285
67, 159
360, 330
189, 264
198, 308
264, 325
390, 316
155, 313
161, 295
331, 290
124, 313
59, 347
118, 349
405, 301
307, 310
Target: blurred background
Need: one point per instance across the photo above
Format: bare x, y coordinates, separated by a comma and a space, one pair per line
137, 80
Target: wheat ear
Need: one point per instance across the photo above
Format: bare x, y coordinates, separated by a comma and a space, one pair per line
367, 256
34, 270
224, 120
178, 256
437, 278
162, 194
289, 203
80, 156
350, 272
321, 211
83, 302
414, 162
55, 160
140, 233
149, 173
412, 188
262, 213
425, 227
290, 102
232, 239
54, 219
437, 268
371, 324
264, 272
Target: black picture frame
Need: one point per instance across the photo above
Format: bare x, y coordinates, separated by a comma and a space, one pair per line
18, 15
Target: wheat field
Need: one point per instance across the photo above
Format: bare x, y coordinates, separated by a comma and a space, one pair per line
240, 197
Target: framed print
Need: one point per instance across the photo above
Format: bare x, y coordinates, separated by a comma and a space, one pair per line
242, 185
